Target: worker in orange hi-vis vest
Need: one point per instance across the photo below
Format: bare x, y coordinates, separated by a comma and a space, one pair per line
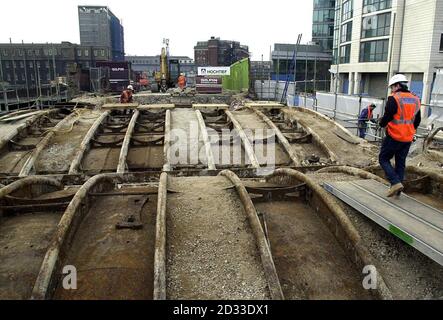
126, 96
402, 118
182, 81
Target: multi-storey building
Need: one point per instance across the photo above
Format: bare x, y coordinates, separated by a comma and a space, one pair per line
29, 64
216, 52
151, 64
311, 64
376, 39
323, 24
100, 27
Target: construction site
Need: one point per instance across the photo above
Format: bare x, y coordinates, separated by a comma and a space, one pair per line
225, 184
209, 197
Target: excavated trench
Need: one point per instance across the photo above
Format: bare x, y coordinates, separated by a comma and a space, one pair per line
56, 156
104, 151
310, 261
211, 254
113, 247
29, 217
17, 150
191, 234
408, 273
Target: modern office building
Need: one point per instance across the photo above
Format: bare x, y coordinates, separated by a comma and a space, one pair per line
219, 53
323, 24
100, 27
311, 64
260, 70
376, 39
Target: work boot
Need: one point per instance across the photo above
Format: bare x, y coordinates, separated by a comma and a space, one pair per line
395, 189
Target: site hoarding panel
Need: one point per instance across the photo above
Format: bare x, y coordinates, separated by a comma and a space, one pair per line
212, 85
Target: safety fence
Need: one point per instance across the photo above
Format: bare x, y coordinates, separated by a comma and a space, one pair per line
239, 78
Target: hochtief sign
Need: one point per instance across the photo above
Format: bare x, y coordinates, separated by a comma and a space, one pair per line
214, 71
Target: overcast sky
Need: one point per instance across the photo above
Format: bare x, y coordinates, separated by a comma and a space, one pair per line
258, 24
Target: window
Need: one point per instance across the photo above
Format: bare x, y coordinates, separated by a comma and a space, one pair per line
374, 51
441, 42
79, 53
324, 15
20, 53
376, 26
38, 64
30, 53
7, 65
346, 32
347, 10
32, 77
31, 65
47, 65
37, 52
22, 64
376, 5
5, 52
8, 77
95, 53
103, 53
86, 53
345, 54
324, 3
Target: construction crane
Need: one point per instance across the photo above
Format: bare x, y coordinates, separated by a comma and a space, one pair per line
167, 77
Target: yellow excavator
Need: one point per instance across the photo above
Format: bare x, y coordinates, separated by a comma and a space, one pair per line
167, 77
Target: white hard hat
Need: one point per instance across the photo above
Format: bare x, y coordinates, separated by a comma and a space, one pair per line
398, 78
130, 88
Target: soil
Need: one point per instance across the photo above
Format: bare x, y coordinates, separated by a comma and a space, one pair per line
112, 263
310, 262
62, 148
23, 243
358, 155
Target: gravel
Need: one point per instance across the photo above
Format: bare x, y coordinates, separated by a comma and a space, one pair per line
212, 253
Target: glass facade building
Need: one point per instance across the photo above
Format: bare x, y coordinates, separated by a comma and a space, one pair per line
323, 24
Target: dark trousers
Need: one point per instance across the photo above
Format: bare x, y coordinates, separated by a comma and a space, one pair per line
398, 150
362, 128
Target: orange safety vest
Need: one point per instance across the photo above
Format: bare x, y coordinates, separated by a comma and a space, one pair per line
369, 113
126, 96
402, 127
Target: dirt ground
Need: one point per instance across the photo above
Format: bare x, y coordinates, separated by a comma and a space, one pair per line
358, 155
111, 263
62, 148
23, 243
310, 262
211, 253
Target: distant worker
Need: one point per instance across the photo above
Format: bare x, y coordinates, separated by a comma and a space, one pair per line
126, 96
402, 118
182, 81
365, 116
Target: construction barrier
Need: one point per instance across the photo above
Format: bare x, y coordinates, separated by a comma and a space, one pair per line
239, 78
